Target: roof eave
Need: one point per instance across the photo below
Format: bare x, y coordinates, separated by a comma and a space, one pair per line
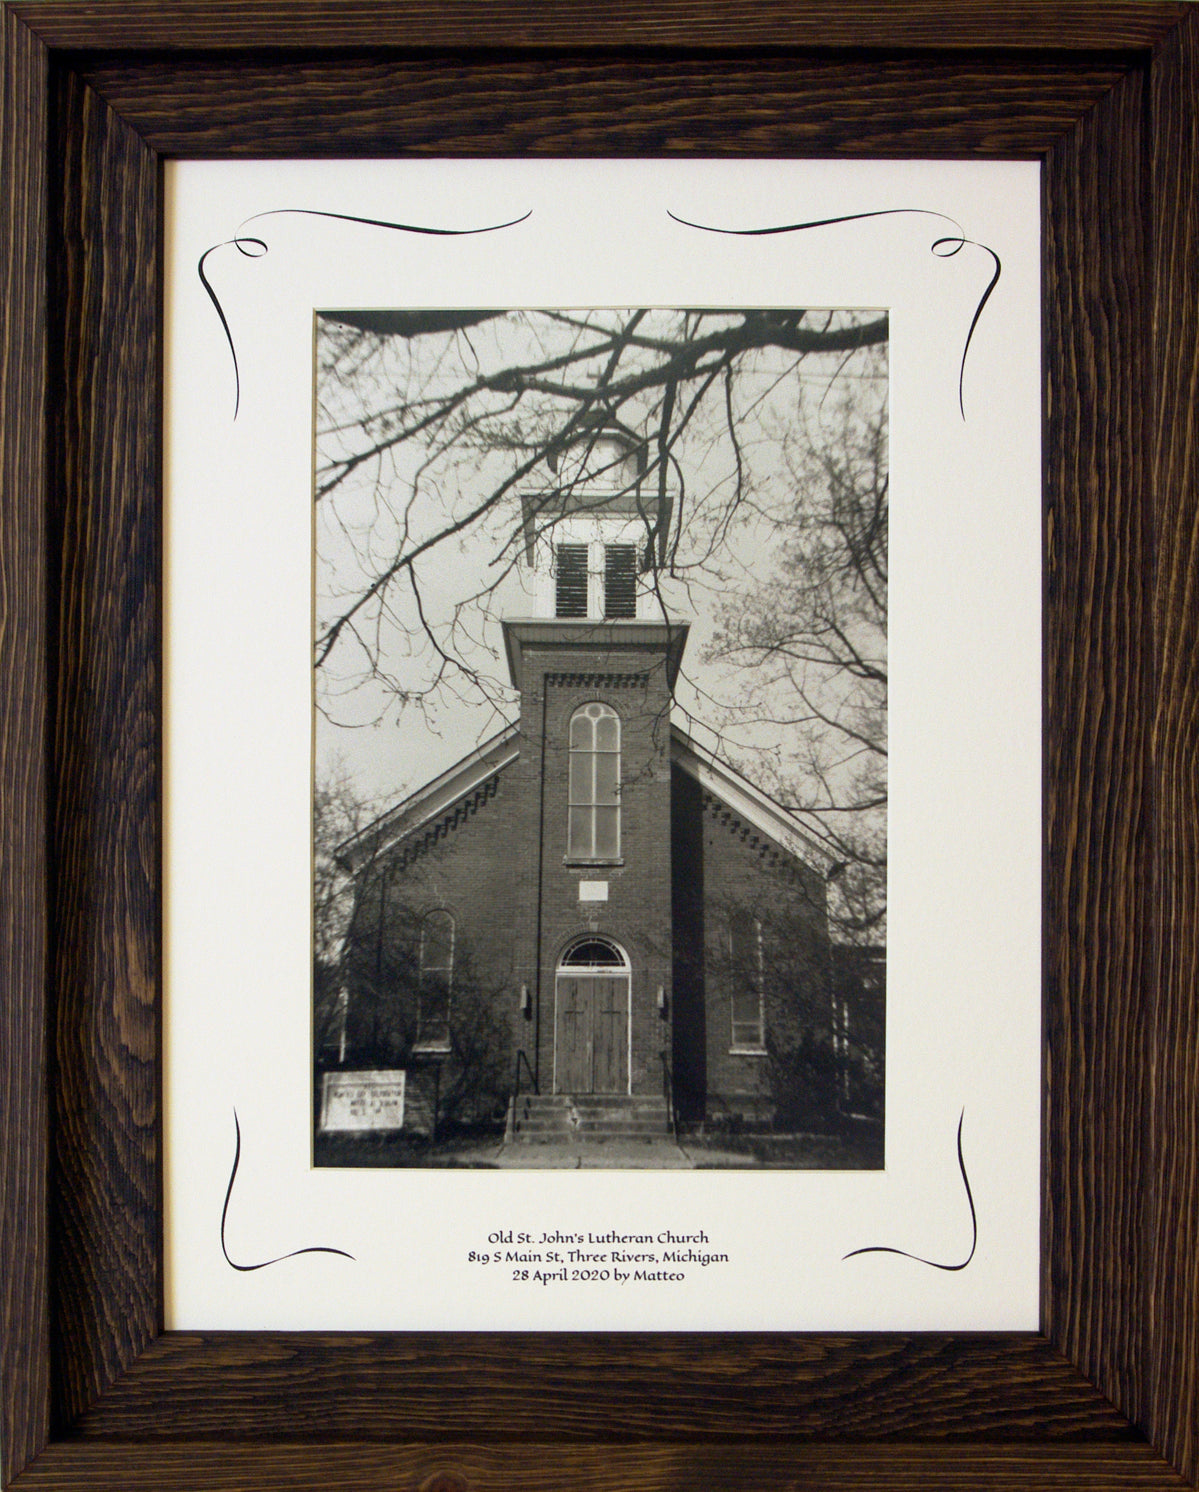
415, 811
778, 823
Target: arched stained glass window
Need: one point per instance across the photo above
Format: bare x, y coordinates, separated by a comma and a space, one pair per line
436, 980
594, 826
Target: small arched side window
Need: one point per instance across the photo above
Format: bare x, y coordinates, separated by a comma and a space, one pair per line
435, 981
746, 966
593, 831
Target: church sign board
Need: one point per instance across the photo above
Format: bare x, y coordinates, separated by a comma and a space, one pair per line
362, 1100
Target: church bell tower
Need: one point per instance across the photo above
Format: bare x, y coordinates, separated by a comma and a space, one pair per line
596, 667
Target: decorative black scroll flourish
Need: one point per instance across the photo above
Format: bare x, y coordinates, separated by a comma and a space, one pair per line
932, 1263
943, 248
255, 248
248, 1268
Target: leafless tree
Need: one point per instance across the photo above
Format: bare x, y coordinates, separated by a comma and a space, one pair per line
762, 492
338, 812
431, 424
811, 634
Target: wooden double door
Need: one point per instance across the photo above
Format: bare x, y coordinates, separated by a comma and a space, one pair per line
591, 1033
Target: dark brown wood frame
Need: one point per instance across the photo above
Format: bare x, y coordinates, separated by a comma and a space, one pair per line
95, 1395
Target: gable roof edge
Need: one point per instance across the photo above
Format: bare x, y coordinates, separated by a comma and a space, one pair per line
750, 803
431, 800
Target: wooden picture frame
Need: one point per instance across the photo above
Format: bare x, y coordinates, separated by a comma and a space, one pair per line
95, 1395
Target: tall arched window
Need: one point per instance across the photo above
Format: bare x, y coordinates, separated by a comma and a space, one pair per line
745, 961
594, 828
435, 981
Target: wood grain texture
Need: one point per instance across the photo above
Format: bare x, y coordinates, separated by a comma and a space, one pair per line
573, 1386
548, 1466
24, 713
1087, 25
105, 542
1098, 677
724, 1412
580, 105
1173, 1274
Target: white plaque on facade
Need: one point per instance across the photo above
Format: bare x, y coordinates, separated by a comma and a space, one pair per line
593, 891
362, 1100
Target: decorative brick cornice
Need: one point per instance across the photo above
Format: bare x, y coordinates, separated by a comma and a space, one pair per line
767, 851
598, 680
445, 824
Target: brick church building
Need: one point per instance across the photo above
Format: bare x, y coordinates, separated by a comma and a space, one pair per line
590, 920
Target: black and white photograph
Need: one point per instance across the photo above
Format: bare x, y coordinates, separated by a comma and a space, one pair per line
600, 738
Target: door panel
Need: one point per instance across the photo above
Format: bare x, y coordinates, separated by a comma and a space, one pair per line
573, 1060
610, 1025
592, 1034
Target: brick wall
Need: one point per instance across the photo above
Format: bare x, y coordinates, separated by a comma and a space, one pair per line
634, 911
725, 867
498, 862
461, 862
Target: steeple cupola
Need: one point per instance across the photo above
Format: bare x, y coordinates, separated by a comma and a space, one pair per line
591, 534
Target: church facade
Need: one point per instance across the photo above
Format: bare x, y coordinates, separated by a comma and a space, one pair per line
590, 906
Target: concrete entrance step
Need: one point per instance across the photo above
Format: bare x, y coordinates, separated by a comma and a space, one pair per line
659, 1154
591, 1100
534, 1135
599, 1116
